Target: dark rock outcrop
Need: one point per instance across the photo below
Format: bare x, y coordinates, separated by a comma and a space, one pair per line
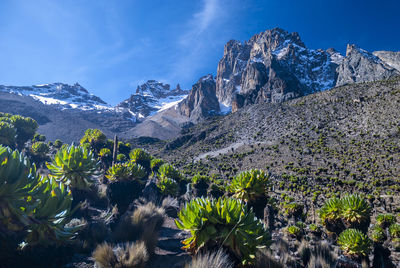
201, 101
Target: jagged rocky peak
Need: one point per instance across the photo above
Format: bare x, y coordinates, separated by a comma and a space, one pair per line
360, 65
150, 98
201, 101
273, 66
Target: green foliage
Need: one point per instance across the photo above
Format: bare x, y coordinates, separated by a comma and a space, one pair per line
169, 171
394, 230
331, 210
355, 211
155, 164
40, 149
377, 234
126, 171
168, 186
396, 244
121, 158
140, 157
105, 153
74, 166
40, 206
200, 180
118, 171
38, 137
249, 185
354, 243
293, 209
385, 220
58, 143
7, 134
95, 138
17, 179
25, 127
294, 231
224, 222
124, 148
51, 213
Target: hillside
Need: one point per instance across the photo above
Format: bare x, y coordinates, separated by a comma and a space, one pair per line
346, 138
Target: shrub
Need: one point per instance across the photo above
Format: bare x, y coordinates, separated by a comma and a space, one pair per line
39, 205
294, 209
25, 128
51, 213
330, 214
40, 149
385, 220
140, 157
394, 230
38, 137
74, 166
7, 134
294, 231
169, 171
58, 143
377, 234
155, 164
17, 179
249, 185
396, 244
168, 186
121, 158
224, 222
126, 171
95, 138
356, 212
354, 243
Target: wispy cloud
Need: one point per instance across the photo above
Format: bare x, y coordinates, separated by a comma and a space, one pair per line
202, 35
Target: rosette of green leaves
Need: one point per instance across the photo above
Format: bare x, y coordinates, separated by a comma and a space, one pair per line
354, 243
40, 149
249, 185
17, 179
51, 213
74, 166
385, 220
168, 186
394, 230
377, 234
140, 157
126, 171
356, 211
226, 222
7, 134
155, 164
330, 214
169, 171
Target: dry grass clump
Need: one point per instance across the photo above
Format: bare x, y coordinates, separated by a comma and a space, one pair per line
216, 259
129, 255
144, 224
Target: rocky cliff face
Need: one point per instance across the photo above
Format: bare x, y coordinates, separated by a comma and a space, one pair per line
150, 98
201, 101
390, 58
275, 66
361, 66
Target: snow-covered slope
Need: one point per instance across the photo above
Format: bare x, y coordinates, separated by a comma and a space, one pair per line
61, 95
150, 98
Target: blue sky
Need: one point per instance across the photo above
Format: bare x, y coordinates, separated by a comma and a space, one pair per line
110, 46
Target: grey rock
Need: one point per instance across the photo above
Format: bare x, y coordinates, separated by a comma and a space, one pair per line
390, 58
361, 66
201, 101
